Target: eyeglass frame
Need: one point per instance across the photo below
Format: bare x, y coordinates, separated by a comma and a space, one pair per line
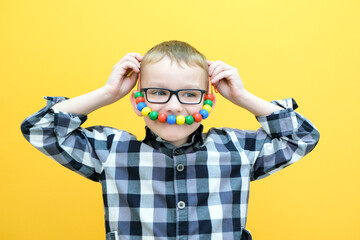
172, 92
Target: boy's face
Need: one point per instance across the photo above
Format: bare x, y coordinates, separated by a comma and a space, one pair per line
164, 74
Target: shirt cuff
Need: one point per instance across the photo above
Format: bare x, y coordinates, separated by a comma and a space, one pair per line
282, 122
64, 122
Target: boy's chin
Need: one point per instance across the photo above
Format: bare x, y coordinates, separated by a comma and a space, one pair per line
172, 132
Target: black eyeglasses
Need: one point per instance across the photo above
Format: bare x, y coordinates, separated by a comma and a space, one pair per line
163, 95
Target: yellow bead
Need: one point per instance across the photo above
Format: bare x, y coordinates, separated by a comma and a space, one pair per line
146, 111
180, 120
207, 107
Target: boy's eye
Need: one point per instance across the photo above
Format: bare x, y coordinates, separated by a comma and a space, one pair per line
159, 92
190, 94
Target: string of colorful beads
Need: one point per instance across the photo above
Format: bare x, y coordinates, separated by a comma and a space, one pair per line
171, 119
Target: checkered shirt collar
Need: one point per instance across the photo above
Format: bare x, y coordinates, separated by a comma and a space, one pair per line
156, 141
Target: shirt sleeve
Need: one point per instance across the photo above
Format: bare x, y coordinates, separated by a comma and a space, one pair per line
285, 136
59, 135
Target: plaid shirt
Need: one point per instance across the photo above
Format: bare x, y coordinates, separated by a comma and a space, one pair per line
154, 190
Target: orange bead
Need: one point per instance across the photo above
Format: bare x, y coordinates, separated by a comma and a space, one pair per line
139, 99
209, 96
197, 117
162, 117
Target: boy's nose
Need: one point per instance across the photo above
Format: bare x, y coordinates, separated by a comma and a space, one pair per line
173, 105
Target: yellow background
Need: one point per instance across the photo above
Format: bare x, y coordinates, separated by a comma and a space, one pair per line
308, 50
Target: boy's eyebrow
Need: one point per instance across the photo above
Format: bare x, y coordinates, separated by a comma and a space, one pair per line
154, 83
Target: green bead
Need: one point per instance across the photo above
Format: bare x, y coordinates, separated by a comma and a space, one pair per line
139, 94
208, 102
153, 115
189, 120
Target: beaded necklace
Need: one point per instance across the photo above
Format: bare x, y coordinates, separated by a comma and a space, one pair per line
172, 119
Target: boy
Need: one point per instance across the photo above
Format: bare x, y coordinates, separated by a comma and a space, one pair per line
177, 183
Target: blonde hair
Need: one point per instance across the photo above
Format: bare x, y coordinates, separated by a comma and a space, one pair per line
178, 51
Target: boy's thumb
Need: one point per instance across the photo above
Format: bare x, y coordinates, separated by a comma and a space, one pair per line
133, 77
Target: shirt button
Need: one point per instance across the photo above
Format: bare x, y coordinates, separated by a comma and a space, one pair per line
177, 151
181, 205
180, 167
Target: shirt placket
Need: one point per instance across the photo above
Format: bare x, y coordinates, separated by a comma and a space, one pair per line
180, 193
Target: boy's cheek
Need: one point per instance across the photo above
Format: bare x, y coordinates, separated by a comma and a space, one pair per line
154, 107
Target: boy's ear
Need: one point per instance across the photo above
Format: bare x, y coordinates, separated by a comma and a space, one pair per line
133, 103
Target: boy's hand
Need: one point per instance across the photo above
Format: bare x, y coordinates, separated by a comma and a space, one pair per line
227, 80
123, 76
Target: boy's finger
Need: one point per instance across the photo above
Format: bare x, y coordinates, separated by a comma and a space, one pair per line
213, 66
135, 56
133, 76
138, 56
222, 75
219, 68
128, 67
135, 61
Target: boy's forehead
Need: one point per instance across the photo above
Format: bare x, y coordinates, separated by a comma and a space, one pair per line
170, 73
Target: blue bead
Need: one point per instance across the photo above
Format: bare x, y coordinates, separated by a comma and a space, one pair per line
141, 105
204, 113
171, 119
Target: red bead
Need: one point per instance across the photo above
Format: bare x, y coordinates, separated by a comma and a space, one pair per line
139, 99
197, 117
209, 96
162, 117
